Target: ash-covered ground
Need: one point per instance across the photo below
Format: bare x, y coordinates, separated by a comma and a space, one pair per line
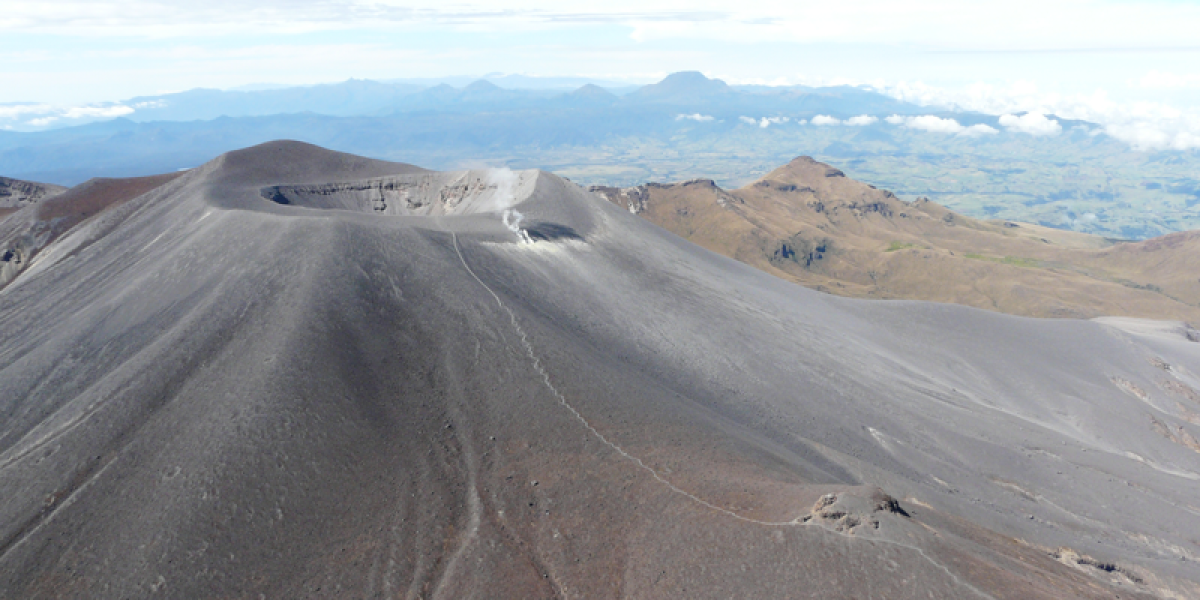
253, 381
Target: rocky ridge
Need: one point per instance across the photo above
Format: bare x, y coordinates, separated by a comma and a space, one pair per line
809, 223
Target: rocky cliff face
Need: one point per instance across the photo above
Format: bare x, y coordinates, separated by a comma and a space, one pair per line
15, 193
416, 194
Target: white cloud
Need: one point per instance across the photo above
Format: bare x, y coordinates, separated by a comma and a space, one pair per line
934, 124
98, 112
825, 120
41, 115
694, 117
1185, 141
764, 122
1144, 137
1143, 125
882, 29
861, 120
933, 24
982, 97
930, 23
1162, 80
937, 124
979, 129
1034, 124
14, 111
90, 50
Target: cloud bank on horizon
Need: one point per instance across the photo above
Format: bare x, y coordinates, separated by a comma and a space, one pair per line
1143, 125
1133, 67
41, 115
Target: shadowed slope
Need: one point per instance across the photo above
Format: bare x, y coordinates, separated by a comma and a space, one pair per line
227, 396
809, 223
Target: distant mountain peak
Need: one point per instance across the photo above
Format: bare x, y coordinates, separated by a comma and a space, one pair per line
802, 169
687, 77
482, 85
593, 91
683, 85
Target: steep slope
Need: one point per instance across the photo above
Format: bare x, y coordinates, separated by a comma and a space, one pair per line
221, 395
1171, 263
15, 193
808, 222
36, 226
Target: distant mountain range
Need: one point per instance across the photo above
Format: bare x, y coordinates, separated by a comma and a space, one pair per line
1068, 174
405, 121
360, 97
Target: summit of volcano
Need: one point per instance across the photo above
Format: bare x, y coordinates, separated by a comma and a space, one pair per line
291, 372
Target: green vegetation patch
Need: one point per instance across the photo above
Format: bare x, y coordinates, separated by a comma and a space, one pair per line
896, 245
1015, 261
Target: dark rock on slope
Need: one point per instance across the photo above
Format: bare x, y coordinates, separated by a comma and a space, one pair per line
218, 395
15, 193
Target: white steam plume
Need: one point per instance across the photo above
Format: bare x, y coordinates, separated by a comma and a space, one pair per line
512, 220
505, 184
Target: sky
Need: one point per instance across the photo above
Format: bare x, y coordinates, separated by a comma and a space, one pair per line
1133, 67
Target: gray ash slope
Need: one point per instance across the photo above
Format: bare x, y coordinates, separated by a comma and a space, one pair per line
206, 393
